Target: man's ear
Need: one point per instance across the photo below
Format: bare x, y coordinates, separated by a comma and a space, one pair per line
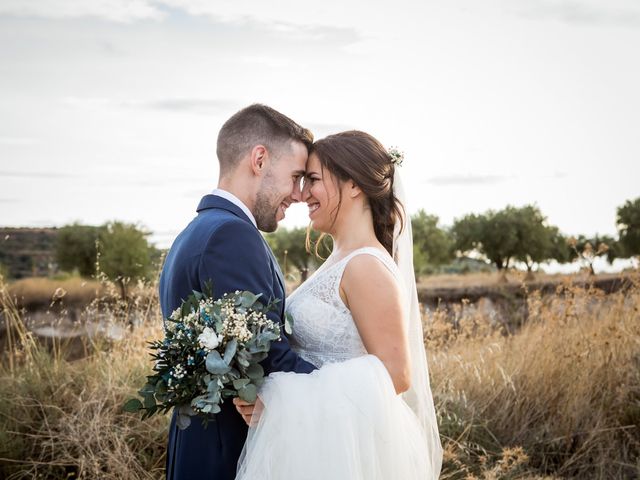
259, 159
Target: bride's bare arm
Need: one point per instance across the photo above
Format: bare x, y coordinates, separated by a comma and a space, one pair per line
374, 298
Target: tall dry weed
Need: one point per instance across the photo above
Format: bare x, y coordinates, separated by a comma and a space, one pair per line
64, 419
559, 398
565, 389
40, 292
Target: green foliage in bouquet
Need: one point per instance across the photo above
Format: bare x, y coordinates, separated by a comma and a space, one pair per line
211, 352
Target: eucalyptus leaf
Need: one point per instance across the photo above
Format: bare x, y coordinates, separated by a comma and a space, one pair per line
243, 361
258, 357
248, 393
149, 412
215, 398
149, 401
240, 383
208, 287
148, 388
230, 350
161, 387
288, 323
213, 386
183, 421
227, 392
186, 410
133, 405
255, 371
255, 348
247, 299
215, 364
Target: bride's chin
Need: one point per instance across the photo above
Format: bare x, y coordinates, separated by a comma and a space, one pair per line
317, 227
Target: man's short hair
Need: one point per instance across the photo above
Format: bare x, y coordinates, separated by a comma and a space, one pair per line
256, 125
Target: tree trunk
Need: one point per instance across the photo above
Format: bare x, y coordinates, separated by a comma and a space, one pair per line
530, 276
503, 276
123, 288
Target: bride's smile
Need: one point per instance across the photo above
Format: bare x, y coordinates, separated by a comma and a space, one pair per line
322, 197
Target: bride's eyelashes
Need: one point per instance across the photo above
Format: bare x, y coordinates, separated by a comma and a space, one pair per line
311, 180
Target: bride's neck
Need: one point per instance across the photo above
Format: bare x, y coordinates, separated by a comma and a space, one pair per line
355, 230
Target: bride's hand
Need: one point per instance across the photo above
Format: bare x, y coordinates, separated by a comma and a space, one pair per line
250, 411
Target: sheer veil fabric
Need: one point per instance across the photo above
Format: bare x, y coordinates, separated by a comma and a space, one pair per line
419, 396
345, 421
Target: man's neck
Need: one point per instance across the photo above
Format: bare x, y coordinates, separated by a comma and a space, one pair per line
238, 191
233, 198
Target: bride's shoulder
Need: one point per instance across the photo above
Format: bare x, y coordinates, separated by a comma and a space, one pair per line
370, 278
368, 265
370, 257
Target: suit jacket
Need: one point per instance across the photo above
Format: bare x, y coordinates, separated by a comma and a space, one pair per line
220, 244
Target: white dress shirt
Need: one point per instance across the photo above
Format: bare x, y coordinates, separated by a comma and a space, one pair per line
237, 202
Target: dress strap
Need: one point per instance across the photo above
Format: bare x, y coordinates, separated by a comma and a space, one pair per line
386, 260
382, 256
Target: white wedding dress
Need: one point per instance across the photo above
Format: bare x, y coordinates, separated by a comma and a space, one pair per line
343, 421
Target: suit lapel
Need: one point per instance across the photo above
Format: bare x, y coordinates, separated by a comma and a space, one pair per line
276, 265
215, 201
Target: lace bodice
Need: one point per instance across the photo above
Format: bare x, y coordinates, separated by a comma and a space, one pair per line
324, 330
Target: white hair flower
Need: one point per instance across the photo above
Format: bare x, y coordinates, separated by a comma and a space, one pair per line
397, 156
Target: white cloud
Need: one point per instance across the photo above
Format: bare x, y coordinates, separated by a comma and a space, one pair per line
465, 88
179, 104
266, 60
625, 13
17, 141
446, 180
113, 10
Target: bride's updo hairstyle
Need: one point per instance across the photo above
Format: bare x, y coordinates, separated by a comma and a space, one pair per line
357, 156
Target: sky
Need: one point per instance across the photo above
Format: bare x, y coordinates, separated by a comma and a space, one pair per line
110, 109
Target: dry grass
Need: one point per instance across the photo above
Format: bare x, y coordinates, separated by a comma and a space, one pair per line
63, 419
560, 398
42, 292
512, 277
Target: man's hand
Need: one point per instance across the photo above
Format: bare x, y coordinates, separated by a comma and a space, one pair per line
250, 411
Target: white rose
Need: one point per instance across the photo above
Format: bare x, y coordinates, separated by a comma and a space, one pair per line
208, 339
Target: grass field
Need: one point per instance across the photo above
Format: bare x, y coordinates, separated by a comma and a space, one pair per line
559, 398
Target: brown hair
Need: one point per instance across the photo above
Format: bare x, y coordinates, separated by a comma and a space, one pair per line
254, 125
357, 156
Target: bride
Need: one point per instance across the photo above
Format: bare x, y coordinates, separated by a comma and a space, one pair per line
367, 412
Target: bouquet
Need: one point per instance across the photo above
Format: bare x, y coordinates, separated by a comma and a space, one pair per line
211, 352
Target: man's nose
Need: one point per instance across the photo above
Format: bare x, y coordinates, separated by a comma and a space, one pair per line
296, 194
306, 193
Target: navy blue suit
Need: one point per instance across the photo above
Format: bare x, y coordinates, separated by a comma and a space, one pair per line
220, 244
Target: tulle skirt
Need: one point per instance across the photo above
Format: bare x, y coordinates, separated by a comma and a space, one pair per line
343, 421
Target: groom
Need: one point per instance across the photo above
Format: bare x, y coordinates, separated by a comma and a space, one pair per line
262, 155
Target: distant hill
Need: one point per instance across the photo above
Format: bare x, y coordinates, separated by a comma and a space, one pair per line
28, 252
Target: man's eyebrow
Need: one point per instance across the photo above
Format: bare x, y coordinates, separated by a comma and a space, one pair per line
299, 173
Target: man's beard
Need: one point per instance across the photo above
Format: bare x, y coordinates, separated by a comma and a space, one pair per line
265, 211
